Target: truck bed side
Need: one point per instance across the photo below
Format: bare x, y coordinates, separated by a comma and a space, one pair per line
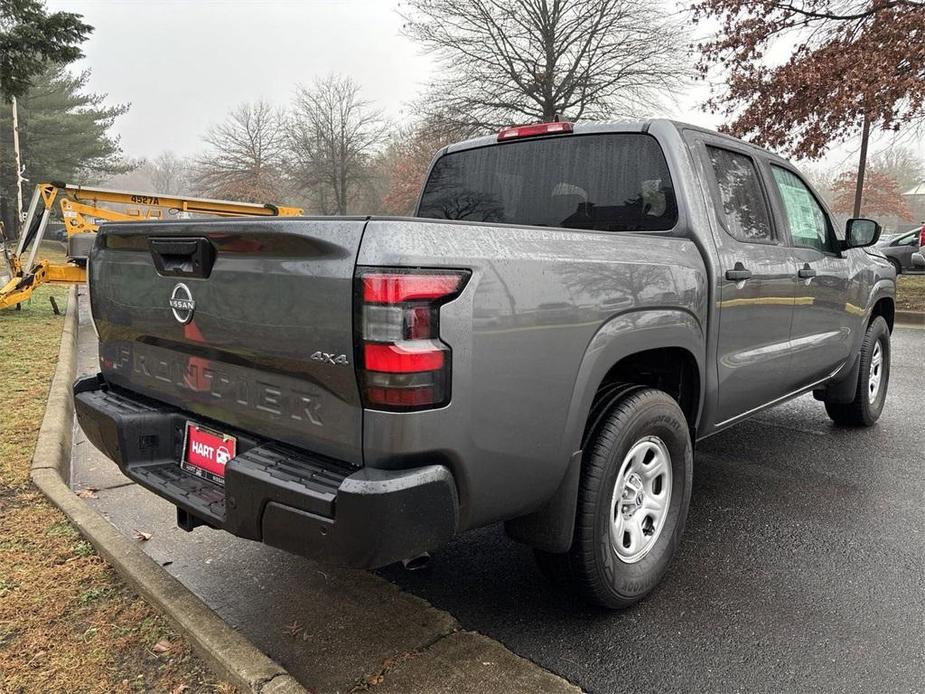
540, 306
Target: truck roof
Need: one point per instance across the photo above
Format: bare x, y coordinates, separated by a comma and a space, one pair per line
615, 126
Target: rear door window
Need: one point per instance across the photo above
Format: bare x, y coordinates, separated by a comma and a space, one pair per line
606, 182
744, 210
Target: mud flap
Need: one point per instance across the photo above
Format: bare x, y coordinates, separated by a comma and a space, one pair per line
550, 527
842, 390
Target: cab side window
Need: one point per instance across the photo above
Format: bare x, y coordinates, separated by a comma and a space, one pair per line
744, 209
809, 225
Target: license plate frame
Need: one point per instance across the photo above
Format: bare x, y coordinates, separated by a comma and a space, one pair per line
206, 452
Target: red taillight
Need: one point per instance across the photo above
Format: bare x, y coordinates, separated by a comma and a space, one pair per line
404, 365
404, 357
518, 131
394, 288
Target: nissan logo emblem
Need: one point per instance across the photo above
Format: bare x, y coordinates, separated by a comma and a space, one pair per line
182, 304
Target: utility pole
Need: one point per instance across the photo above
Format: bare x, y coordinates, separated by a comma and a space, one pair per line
18, 159
862, 166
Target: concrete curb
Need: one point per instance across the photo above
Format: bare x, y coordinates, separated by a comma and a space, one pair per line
910, 318
231, 656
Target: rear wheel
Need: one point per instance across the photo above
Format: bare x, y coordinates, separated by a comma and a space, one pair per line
873, 379
632, 502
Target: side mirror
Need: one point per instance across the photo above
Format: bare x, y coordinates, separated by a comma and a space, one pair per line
860, 233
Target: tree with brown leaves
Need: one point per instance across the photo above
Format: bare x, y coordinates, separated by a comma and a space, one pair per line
409, 164
882, 195
850, 62
408, 158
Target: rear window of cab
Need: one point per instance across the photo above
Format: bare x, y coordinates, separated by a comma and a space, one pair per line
604, 182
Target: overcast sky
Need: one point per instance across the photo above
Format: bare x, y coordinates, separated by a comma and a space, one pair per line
183, 64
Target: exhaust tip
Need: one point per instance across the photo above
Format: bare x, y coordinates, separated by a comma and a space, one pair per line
421, 561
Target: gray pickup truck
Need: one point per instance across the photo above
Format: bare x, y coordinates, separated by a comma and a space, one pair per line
571, 309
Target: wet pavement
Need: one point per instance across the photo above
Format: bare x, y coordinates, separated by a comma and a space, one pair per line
802, 569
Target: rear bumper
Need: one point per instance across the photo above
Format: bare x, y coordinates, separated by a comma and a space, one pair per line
285, 497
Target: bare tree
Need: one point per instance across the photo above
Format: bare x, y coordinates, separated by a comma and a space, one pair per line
333, 134
900, 164
170, 174
245, 161
822, 179
507, 61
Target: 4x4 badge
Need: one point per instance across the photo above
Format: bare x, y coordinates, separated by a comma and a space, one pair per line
182, 304
330, 358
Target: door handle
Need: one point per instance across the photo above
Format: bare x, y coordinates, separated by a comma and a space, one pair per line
739, 273
806, 272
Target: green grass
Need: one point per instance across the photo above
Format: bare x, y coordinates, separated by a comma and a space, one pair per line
910, 293
94, 594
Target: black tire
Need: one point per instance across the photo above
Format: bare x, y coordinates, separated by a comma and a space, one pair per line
897, 266
862, 411
592, 567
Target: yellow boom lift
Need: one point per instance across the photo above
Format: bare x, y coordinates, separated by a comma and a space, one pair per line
81, 208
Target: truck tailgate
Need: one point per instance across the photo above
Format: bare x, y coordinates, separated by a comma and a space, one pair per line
244, 323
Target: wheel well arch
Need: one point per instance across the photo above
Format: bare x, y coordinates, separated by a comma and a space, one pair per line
884, 307
671, 369
663, 348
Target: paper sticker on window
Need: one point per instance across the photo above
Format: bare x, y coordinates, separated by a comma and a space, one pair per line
807, 222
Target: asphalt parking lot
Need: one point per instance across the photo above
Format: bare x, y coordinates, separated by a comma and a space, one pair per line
802, 569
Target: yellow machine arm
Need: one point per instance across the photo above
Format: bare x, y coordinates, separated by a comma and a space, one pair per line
81, 208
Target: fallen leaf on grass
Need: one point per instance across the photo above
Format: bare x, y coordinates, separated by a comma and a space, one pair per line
88, 493
162, 646
180, 688
374, 680
140, 536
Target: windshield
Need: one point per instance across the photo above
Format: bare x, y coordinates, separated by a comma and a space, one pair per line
607, 182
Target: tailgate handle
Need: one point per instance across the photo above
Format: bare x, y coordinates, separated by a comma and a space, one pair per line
182, 257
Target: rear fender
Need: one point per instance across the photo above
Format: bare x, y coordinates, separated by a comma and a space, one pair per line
550, 527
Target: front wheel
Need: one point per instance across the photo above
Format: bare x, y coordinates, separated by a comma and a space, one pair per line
873, 379
632, 502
